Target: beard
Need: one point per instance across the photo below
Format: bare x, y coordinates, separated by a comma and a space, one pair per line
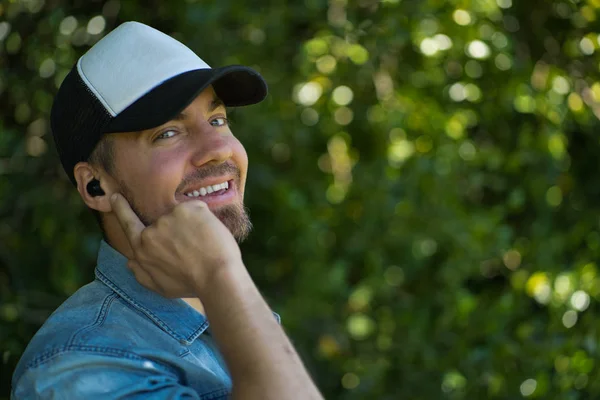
234, 216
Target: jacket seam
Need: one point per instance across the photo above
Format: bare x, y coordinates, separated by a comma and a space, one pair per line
100, 318
98, 350
104, 279
214, 395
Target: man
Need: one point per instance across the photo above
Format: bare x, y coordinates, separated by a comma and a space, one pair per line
141, 129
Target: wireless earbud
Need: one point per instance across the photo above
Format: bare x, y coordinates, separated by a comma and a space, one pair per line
94, 189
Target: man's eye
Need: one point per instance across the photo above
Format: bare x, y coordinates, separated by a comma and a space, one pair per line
166, 135
219, 121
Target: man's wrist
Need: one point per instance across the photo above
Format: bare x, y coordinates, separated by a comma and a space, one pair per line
227, 277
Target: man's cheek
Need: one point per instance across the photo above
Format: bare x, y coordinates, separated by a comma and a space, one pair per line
241, 160
166, 166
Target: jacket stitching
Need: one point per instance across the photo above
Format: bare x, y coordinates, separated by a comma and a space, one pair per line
149, 313
106, 351
217, 394
100, 318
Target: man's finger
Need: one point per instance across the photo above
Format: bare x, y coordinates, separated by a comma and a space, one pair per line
144, 278
131, 224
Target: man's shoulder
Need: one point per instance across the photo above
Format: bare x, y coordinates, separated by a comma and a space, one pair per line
97, 337
93, 320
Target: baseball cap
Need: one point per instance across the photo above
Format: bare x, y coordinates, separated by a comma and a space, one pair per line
137, 78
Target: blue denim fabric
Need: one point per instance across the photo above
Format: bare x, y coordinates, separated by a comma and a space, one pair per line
114, 338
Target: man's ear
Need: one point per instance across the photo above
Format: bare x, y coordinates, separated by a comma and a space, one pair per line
98, 200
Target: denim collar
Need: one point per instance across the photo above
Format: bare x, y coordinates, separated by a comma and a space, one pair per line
173, 316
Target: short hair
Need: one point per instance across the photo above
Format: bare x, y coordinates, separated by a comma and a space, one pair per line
103, 156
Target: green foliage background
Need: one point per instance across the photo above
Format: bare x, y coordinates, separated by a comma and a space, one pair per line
430, 230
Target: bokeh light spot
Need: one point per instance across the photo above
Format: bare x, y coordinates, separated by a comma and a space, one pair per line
554, 196
68, 25
462, 17
528, 387
96, 25
429, 47
36, 146
499, 40
350, 381
4, 30
308, 93
452, 381
538, 287
399, 151
359, 299
343, 116
556, 146
457, 92
524, 104
47, 68
587, 46
467, 151
575, 102
424, 144
360, 326
569, 319
326, 64
309, 117
563, 286
504, 3
342, 95
560, 85
512, 259
473, 92
503, 62
13, 43
357, 54
443, 41
256, 36
473, 69
478, 49
580, 300
316, 47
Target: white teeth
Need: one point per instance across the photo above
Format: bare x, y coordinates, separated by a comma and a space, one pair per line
208, 189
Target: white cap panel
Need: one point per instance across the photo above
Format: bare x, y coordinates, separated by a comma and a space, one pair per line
108, 71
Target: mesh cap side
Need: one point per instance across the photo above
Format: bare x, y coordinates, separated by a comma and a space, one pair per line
77, 121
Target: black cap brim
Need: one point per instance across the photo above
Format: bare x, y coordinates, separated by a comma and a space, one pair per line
235, 85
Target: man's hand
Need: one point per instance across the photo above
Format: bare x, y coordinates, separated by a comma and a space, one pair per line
188, 251
181, 252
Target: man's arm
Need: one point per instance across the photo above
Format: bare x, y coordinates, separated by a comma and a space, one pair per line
88, 375
190, 253
262, 361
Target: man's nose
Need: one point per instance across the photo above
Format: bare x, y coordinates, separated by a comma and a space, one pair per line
211, 146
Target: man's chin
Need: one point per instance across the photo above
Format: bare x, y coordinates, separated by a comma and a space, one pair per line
235, 218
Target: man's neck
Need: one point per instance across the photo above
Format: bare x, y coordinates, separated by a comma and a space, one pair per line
115, 237
196, 304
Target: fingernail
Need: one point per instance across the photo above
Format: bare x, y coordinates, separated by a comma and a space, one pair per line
113, 197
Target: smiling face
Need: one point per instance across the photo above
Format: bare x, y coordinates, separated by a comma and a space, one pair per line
192, 157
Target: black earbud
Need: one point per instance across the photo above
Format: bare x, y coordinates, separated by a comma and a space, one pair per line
94, 189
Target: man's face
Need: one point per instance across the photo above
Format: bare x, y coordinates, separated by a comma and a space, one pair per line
183, 159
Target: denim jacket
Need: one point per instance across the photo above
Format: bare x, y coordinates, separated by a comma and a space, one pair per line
116, 339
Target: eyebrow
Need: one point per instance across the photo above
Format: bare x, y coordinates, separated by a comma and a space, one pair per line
214, 104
